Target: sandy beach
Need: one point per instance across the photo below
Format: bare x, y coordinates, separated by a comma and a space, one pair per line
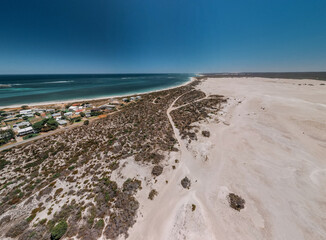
267, 145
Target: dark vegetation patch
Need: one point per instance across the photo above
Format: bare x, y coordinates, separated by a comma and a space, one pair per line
157, 170
185, 182
193, 207
186, 115
59, 230
206, 133
189, 97
152, 194
236, 202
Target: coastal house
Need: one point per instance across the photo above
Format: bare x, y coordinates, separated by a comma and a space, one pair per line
20, 125
87, 105
125, 99
39, 110
25, 131
29, 115
50, 110
73, 108
10, 119
26, 111
88, 114
62, 122
68, 114
54, 115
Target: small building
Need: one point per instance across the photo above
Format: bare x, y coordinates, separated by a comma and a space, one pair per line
25, 131
138, 97
88, 114
68, 114
87, 105
26, 111
29, 115
56, 115
125, 99
50, 110
73, 108
10, 119
62, 122
21, 125
39, 110
132, 98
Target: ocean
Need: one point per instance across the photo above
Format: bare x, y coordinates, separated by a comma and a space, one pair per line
32, 89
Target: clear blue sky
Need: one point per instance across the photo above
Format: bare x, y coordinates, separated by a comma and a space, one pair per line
115, 36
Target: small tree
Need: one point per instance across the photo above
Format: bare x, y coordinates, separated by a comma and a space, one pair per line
86, 122
82, 114
24, 107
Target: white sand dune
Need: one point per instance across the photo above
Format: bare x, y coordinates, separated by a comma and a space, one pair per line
268, 145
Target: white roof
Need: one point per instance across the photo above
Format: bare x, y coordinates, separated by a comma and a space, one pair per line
61, 122
25, 130
23, 124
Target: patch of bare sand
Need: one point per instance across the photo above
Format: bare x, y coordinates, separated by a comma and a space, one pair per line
268, 145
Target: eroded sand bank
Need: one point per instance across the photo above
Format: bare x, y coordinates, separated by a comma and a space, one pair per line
267, 145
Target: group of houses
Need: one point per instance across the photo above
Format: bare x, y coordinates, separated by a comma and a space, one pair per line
23, 121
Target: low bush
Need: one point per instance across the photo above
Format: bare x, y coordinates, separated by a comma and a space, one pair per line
59, 230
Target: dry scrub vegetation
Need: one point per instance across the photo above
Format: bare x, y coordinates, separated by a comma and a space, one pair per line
65, 179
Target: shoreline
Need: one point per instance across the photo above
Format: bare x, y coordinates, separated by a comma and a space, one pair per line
30, 105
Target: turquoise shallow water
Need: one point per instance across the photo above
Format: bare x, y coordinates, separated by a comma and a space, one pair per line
26, 89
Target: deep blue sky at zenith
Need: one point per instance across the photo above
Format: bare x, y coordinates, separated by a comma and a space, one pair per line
114, 36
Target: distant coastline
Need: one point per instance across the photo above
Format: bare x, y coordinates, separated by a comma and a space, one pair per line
56, 102
75, 88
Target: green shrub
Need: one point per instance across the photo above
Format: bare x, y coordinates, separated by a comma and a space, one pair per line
3, 163
59, 230
86, 122
30, 136
6, 136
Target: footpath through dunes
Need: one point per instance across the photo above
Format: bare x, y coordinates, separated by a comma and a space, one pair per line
180, 210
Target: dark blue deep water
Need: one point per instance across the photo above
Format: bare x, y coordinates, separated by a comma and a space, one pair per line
27, 89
